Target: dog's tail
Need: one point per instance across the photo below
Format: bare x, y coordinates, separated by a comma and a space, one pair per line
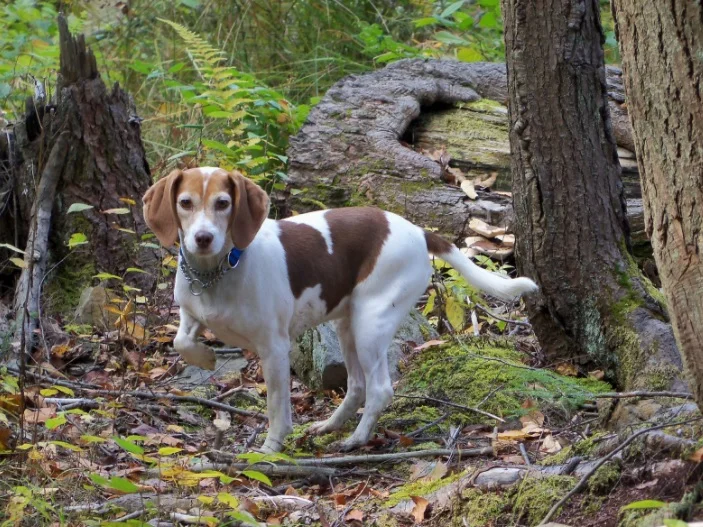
494, 284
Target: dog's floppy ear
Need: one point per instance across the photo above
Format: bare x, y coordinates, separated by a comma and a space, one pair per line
250, 207
160, 208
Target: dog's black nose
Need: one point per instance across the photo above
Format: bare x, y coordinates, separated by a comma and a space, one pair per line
203, 239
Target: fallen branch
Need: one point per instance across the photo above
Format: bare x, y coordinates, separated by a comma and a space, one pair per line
54, 380
278, 470
453, 405
396, 456
626, 395
283, 501
584, 479
498, 317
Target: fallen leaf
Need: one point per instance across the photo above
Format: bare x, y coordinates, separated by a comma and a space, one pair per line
488, 182
438, 472
550, 445
354, 515
468, 188
340, 500
34, 416
568, 369
420, 508
514, 459
597, 374
429, 344
406, 441
697, 456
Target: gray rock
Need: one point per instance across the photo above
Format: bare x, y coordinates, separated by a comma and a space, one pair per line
226, 366
317, 359
92, 307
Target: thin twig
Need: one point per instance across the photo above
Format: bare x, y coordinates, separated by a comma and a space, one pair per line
54, 380
523, 451
584, 479
427, 426
151, 396
626, 395
453, 405
497, 317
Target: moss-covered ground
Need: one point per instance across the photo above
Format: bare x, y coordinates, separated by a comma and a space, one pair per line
491, 375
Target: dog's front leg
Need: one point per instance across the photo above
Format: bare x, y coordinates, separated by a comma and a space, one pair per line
187, 345
276, 367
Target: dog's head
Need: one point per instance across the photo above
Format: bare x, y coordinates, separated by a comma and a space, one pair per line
210, 206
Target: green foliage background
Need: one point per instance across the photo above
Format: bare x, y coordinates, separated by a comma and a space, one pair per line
228, 81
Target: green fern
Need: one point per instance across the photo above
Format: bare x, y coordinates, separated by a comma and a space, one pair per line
258, 119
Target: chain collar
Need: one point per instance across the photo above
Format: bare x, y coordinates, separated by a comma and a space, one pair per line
200, 281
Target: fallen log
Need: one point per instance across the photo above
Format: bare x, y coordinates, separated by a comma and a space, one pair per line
371, 137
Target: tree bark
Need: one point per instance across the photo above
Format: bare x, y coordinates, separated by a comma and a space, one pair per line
594, 306
661, 46
103, 164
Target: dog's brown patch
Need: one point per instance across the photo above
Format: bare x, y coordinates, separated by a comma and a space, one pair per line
436, 244
358, 235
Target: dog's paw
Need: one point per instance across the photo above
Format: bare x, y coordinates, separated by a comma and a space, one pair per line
199, 355
319, 428
346, 445
271, 446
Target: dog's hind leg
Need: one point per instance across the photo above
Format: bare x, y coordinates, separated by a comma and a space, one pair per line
356, 385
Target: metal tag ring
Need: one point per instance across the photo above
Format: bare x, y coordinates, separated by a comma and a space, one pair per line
197, 287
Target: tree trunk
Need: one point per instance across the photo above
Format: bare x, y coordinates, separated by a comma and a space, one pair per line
103, 164
661, 46
594, 307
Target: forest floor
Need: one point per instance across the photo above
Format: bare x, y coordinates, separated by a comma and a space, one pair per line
108, 429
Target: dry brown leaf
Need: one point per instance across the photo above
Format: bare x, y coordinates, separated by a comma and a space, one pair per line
597, 374
454, 176
488, 182
420, 508
406, 441
438, 472
354, 515
33, 416
550, 445
251, 507
514, 459
513, 435
468, 188
697, 456
484, 229
340, 500
429, 344
566, 368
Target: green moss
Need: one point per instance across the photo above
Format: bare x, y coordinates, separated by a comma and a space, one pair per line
420, 488
605, 478
582, 448
466, 373
63, 291
535, 496
299, 442
412, 419
480, 507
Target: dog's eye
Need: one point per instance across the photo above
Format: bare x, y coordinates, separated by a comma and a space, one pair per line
186, 203
221, 204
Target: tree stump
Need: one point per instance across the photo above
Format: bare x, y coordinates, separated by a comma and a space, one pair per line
98, 160
363, 143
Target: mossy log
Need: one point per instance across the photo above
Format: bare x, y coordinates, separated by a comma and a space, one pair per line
364, 143
103, 165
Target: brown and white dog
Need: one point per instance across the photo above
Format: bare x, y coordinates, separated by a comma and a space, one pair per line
258, 283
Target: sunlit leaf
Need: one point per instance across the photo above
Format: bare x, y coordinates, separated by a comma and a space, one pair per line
258, 476
78, 207
645, 504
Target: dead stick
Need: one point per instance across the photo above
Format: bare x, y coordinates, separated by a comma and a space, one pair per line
454, 405
280, 470
625, 395
584, 479
497, 317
